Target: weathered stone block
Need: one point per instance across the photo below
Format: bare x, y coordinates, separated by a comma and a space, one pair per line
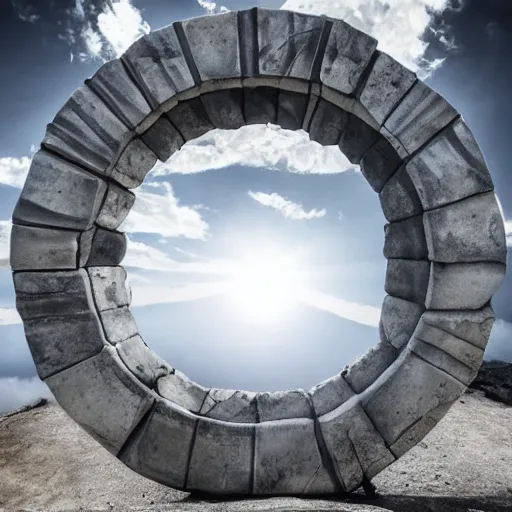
287, 459
191, 119
291, 110
163, 139
469, 230
104, 385
419, 116
357, 138
221, 461
109, 287
408, 279
260, 105
282, 405
347, 54
387, 83
230, 405
107, 248
328, 123
225, 108
463, 285
406, 239
330, 394
57, 193
178, 388
116, 207
314, 98
119, 324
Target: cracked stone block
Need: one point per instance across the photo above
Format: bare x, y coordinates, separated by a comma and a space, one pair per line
225, 108
387, 84
355, 446
328, 123
395, 143
367, 368
178, 388
133, 165
116, 89
287, 459
191, 119
379, 163
283, 405
399, 199
399, 319
449, 168
419, 116
357, 138
463, 285
163, 139
330, 394
61, 324
288, 43
116, 207
291, 110
347, 55
260, 105
119, 324
104, 385
406, 239
230, 405
314, 98
142, 361
157, 63
221, 461
213, 43
43, 249
109, 287
405, 393
160, 448
408, 279
469, 230
107, 248
57, 193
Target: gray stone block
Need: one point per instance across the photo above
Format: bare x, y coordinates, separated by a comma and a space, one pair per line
225, 108
102, 384
191, 119
463, 285
356, 447
43, 249
420, 115
449, 168
179, 389
379, 163
116, 207
399, 198
283, 405
109, 287
260, 105
57, 193
61, 324
160, 448
221, 461
410, 389
85, 245
291, 110
398, 320
406, 239
107, 248
163, 139
314, 98
357, 138
119, 324
408, 279
367, 368
328, 123
387, 84
230, 405
287, 459
330, 394
347, 54
469, 230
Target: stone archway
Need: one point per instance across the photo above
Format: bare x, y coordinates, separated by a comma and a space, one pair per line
445, 245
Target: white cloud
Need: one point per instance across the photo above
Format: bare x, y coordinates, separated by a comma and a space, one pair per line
13, 171
5, 240
25, 11
9, 316
508, 231
288, 209
211, 7
18, 392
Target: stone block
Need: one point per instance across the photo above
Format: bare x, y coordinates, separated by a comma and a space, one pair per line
469, 230
406, 239
221, 461
119, 324
379, 163
291, 110
408, 279
43, 249
314, 98
57, 193
328, 123
160, 448
330, 394
61, 324
116, 207
395, 143
399, 198
347, 55
283, 405
449, 168
387, 84
230, 405
163, 139
225, 108
287, 459
179, 389
463, 285
109, 287
260, 105
355, 446
248, 32
102, 384
107, 248
398, 320
191, 119
357, 138
419, 116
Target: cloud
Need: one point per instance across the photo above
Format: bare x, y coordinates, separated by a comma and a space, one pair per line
18, 392
25, 11
287, 208
500, 342
13, 171
5, 240
508, 231
9, 316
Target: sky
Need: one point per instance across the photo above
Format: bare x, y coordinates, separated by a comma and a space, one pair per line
255, 255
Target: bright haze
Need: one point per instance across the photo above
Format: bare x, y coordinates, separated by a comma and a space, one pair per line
255, 256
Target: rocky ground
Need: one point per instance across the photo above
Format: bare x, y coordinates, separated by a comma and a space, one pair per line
465, 464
